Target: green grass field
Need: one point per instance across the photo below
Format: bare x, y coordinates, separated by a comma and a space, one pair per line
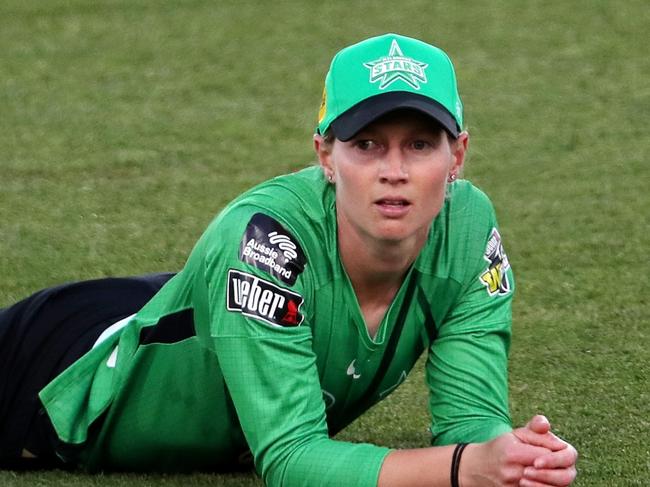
126, 125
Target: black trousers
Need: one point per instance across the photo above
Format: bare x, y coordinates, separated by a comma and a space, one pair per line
41, 336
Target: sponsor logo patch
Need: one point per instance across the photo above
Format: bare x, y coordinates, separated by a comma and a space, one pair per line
495, 277
267, 245
263, 300
396, 66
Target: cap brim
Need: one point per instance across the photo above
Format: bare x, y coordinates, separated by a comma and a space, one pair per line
349, 123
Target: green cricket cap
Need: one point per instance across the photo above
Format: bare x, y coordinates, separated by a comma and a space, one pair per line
386, 73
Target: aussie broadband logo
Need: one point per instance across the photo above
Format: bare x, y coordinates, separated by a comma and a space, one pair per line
396, 66
267, 245
263, 300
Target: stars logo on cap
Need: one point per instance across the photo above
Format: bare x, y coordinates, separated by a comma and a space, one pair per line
396, 66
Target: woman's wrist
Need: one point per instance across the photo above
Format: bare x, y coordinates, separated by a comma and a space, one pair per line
455, 464
465, 475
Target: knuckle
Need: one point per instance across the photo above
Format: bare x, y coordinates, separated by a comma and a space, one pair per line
568, 477
512, 475
509, 453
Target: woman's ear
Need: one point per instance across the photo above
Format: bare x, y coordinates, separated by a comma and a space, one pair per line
458, 152
323, 151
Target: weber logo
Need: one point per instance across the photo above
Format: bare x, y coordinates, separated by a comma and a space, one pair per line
267, 245
258, 298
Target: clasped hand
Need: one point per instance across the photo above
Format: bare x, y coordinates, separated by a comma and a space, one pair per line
531, 456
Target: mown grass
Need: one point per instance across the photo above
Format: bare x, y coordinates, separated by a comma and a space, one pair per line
125, 126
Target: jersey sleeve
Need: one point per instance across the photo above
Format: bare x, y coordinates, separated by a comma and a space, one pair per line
260, 329
466, 368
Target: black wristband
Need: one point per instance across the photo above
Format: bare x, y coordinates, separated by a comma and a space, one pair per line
455, 463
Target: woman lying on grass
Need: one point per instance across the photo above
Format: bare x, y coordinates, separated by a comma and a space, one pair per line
306, 301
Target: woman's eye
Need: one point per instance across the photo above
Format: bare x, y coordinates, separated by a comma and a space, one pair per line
365, 145
420, 145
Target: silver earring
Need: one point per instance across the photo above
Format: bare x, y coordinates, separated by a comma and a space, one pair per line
330, 178
451, 178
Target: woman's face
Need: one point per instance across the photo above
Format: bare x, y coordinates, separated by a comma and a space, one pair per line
391, 177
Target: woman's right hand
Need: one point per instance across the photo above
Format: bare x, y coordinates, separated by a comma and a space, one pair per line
531, 456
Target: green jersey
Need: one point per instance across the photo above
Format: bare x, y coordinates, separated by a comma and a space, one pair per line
259, 345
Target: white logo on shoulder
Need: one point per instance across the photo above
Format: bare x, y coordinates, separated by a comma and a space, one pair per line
285, 244
396, 66
267, 245
266, 256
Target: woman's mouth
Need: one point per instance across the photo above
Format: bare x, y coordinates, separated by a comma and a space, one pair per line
393, 207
